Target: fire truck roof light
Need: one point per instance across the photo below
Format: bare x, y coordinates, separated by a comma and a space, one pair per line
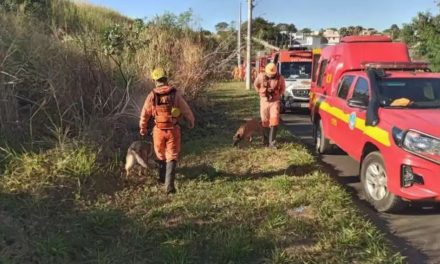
374, 38
396, 65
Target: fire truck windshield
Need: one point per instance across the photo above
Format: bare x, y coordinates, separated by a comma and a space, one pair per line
296, 70
419, 92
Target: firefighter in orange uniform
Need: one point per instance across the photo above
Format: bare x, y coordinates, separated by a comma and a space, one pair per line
236, 73
270, 86
254, 73
167, 106
242, 72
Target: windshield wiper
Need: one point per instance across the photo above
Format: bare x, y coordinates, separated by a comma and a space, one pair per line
394, 107
424, 106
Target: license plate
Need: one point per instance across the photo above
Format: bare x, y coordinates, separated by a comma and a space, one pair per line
300, 105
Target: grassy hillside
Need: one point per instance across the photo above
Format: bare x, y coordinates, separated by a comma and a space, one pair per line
250, 205
74, 71
69, 16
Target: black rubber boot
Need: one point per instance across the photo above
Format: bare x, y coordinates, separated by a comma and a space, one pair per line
162, 170
170, 176
266, 132
272, 137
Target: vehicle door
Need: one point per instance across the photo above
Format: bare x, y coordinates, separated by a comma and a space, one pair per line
356, 108
338, 111
317, 88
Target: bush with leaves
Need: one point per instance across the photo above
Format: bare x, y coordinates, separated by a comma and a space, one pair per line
423, 33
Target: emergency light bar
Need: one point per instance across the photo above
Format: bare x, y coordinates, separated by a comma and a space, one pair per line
301, 55
396, 65
297, 47
373, 38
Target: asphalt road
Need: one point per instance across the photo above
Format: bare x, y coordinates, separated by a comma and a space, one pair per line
414, 232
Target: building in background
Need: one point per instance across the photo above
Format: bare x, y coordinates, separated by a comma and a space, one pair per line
310, 40
332, 36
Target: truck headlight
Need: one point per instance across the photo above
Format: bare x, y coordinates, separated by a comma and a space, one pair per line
422, 144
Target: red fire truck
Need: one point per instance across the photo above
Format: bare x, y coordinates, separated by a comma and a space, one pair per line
373, 102
295, 64
261, 61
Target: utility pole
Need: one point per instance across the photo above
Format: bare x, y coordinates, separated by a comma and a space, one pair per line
249, 46
239, 40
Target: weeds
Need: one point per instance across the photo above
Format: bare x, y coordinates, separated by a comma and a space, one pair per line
252, 205
35, 173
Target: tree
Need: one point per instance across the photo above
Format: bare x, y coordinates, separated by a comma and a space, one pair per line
423, 34
222, 26
358, 30
351, 30
343, 31
291, 28
408, 35
266, 30
394, 31
306, 30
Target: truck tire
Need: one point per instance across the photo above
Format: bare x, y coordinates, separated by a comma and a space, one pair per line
374, 184
322, 144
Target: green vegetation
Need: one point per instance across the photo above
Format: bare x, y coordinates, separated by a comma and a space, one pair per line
249, 205
80, 71
423, 34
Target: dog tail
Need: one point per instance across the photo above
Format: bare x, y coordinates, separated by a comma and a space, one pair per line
140, 160
129, 161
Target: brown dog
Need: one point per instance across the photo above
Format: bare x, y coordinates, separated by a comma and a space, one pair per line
139, 152
247, 131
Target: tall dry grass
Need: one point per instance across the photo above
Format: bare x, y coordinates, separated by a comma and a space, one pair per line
58, 80
48, 83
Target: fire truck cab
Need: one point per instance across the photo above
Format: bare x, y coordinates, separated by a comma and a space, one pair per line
262, 60
295, 65
383, 110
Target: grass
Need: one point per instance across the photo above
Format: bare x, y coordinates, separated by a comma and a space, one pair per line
252, 205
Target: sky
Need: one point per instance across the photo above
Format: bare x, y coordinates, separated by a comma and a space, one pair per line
315, 14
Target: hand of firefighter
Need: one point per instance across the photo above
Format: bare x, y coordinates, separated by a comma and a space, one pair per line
143, 134
190, 125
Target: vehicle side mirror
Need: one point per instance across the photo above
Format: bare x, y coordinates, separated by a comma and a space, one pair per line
357, 103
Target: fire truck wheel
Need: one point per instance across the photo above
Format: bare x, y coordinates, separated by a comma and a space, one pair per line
374, 184
322, 144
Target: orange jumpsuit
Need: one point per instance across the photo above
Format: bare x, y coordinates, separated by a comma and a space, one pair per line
236, 74
270, 107
254, 73
167, 141
242, 72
